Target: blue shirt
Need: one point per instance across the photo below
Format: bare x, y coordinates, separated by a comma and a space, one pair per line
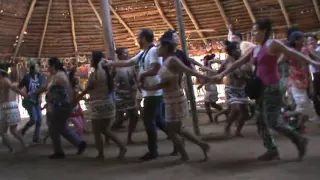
32, 83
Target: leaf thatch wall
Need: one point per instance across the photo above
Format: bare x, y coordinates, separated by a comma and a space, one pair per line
129, 16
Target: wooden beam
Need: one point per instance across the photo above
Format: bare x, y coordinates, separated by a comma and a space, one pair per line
316, 7
95, 12
165, 19
119, 19
285, 14
73, 30
246, 3
186, 8
45, 28
223, 13
125, 25
211, 37
24, 27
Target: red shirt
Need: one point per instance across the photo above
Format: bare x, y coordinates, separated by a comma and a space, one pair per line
299, 72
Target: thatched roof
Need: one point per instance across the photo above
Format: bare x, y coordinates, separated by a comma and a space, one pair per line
129, 16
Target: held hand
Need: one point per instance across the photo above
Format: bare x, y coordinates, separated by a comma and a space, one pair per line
216, 79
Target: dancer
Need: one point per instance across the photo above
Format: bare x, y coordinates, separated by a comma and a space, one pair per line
77, 118
32, 81
125, 93
102, 108
237, 99
270, 100
60, 96
175, 101
9, 111
149, 65
211, 96
299, 80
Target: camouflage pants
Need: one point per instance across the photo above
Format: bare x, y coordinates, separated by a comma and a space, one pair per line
269, 116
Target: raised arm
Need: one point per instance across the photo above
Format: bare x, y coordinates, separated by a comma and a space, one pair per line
176, 63
126, 63
244, 59
277, 47
315, 55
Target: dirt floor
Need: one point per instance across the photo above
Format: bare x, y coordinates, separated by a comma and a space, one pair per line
230, 159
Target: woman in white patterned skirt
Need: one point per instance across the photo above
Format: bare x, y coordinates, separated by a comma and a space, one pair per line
176, 104
9, 112
101, 107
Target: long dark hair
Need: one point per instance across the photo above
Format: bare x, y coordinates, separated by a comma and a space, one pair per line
96, 58
265, 24
56, 64
72, 78
230, 47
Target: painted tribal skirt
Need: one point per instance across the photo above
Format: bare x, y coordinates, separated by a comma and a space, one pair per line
236, 95
176, 106
101, 109
9, 115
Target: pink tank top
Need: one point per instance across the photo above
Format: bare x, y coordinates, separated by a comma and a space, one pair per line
267, 66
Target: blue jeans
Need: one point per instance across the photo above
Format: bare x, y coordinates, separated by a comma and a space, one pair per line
34, 111
153, 119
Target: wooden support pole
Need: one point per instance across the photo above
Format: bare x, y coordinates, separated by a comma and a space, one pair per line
165, 19
107, 28
188, 11
223, 13
24, 27
285, 14
246, 3
316, 8
45, 28
189, 81
73, 30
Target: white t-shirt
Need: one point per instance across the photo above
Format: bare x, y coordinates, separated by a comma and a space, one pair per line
150, 58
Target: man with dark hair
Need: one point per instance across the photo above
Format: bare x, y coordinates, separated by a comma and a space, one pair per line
149, 64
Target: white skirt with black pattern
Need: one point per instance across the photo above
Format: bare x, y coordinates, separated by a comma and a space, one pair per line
101, 109
176, 106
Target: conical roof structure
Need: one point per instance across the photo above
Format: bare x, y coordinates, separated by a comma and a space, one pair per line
44, 28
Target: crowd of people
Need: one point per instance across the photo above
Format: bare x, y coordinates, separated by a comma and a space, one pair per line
282, 74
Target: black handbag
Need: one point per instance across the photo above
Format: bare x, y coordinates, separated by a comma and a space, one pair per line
254, 86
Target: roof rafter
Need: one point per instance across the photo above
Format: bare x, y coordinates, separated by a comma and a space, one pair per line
95, 12
246, 3
125, 25
165, 19
45, 28
24, 27
316, 7
285, 13
185, 6
223, 13
73, 30
118, 17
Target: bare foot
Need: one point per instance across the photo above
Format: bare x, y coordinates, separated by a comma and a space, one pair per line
185, 158
122, 153
100, 157
130, 142
205, 149
174, 153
